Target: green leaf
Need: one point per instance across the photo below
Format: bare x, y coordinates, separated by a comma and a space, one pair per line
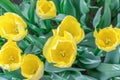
118, 20
105, 71
34, 28
114, 5
45, 25
24, 8
83, 77
1, 11
97, 51
2, 41
89, 61
106, 18
41, 24
8, 6
57, 4
32, 49
57, 77
83, 7
1, 78
49, 67
67, 7
59, 17
23, 44
46, 78
28, 49
35, 40
26, 1
97, 18
48, 25
31, 11
76, 3
14, 75
88, 43
83, 23
113, 57
83, 19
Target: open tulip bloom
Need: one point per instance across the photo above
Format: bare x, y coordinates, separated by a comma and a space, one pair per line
59, 39
10, 56
12, 27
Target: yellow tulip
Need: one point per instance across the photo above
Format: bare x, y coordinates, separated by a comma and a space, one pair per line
12, 27
32, 67
45, 9
106, 39
10, 56
71, 25
60, 50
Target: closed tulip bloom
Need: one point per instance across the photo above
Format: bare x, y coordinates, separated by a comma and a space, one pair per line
12, 27
71, 25
45, 9
61, 50
10, 56
106, 39
32, 67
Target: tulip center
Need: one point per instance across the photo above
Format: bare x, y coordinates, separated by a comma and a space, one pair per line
107, 42
62, 53
15, 31
30, 67
33, 71
12, 59
10, 55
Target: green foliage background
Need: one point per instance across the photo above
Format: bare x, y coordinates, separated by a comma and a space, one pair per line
91, 63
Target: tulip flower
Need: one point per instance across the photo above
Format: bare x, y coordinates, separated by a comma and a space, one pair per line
106, 39
12, 27
10, 56
71, 25
32, 67
45, 9
61, 50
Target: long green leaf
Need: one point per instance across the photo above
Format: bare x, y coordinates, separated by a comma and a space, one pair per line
67, 7
114, 5
89, 61
118, 20
8, 6
83, 7
31, 11
105, 71
57, 4
97, 18
49, 67
113, 57
106, 18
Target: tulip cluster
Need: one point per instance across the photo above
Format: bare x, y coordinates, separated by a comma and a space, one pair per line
61, 48
57, 39
13, 28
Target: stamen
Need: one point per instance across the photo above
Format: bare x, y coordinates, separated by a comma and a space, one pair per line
16, 30
62, 53
107, 41
11, 58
